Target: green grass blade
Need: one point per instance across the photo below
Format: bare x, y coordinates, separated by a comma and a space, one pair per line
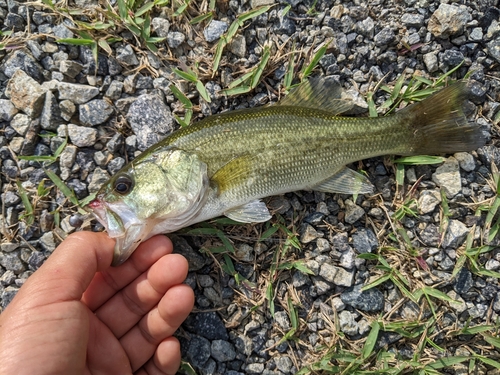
28, 208
68, 193
371, 340
260, 68
144, 9
191, 77
314, 62
202, 17
181, 97
253, 13
420, 160
203, 91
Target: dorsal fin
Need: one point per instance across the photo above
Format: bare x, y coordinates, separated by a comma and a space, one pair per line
318, 93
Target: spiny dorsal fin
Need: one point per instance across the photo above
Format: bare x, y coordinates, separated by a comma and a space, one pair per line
318, 93
346, 181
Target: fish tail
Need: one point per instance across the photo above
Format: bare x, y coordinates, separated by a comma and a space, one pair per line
439, 126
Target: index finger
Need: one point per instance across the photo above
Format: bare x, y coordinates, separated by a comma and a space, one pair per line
106, 283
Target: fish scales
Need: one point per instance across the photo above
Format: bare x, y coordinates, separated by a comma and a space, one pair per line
224, 164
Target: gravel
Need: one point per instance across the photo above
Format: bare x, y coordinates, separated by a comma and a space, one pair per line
110, 110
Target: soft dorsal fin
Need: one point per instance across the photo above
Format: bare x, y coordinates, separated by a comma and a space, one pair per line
346, 181
319, 93
237, 171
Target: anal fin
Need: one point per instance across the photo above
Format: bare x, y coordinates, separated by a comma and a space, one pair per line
346, 181
252, 212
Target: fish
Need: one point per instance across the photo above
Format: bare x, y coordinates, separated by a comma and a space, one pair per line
227, 163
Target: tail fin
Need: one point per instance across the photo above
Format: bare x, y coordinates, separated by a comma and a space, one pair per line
439, 126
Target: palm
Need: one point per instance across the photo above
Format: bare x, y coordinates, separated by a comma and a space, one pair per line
117, 321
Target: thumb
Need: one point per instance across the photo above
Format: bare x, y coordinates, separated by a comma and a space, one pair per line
69, 270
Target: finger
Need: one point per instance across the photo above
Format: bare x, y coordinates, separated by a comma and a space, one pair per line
127, 307
69, 270
167, 358
141, 342
107, 283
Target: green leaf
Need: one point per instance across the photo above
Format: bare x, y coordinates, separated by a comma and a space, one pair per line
378, 281
253, 13
62, 187
191, 77
270, 298
203, 91
28, 208
260, 68
495, 341
181, 97
76, 41
201, 18
371, 340
145, 8
315, 60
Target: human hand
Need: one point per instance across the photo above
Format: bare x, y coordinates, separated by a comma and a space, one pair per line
76, 315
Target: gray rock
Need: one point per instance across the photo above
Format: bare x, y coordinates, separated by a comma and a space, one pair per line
115, 143
255, 368
82, 136
160, 26
8, 295
21, 60
466, 161
77, 93
348, 259
99, 177
431, 61
14, 22
364, 240
95, 112
11, 262
447, 176
448, 20
67, 109
150, 119
8, 247
222, 351
344, 277
347, 323
126, 56
47, 242
198, 351
366, 27
328, 272
284, 364
427, 201
309, 234
8, 278
455, 234
115, 165
214, 30
384, 37
476, 34
493, 30
26, 94
7, 110
51, 113
62, 32
114, 90
493, 48
459, 304
260, 3
281, 318
413, 20
9, 198
352, 212
244, 253
70, 68
20, 123
238, 46
175, 39
368, 300
210, 325
463, 281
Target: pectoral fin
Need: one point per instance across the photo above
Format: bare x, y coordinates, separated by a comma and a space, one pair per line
236, 172
252, 212
346, 181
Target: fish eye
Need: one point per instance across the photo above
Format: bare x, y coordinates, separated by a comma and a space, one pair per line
123, 185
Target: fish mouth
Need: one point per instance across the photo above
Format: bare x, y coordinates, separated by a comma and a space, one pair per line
127, 230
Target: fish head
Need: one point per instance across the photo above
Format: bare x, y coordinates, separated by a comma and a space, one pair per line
156, 193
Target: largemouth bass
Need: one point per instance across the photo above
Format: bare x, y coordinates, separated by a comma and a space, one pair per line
224, 164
